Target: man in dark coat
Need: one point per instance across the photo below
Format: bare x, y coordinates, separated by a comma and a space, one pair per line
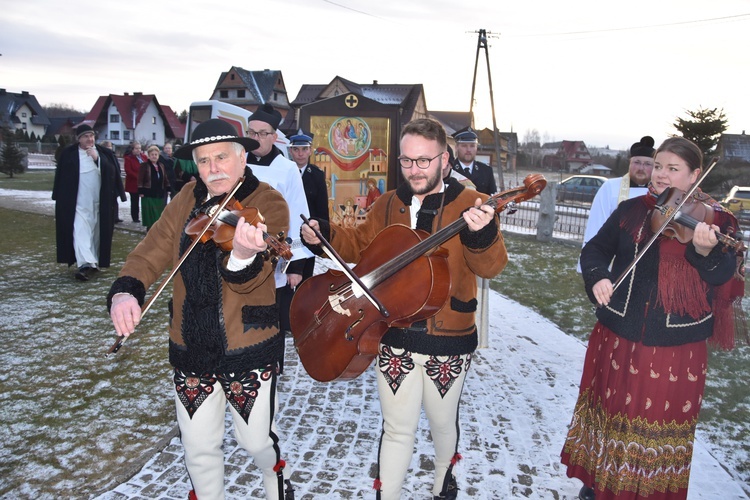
480, 174
87, 184
314, 181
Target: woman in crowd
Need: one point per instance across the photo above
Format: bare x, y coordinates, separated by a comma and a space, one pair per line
644, 373
152, 186
133, 159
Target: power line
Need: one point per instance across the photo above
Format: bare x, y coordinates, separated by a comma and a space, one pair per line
634, 28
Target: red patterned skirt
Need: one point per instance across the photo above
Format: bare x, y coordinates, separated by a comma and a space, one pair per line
634, 422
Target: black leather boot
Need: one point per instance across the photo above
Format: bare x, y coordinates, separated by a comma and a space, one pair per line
450, 489
587, 493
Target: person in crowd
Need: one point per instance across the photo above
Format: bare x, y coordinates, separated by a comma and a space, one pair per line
133, 159
615, 191
633, 426
86, 185
153, 187
166, 159
115, 206
480, 174
424, 365
314, 182
224, 338
184, 171
270, 165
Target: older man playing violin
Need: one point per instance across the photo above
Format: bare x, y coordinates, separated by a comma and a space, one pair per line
224, 339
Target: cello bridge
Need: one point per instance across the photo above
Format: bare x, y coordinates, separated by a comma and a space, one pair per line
336, 300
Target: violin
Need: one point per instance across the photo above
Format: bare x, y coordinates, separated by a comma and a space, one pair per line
337, 329
683, 222
221, 230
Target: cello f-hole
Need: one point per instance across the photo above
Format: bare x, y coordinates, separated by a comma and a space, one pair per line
348, 336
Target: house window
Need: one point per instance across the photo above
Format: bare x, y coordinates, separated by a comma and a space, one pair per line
275, 96
153, 136
114, 135
231, 77
153, 120
241, 93
223, 94
114, 118
23, 125
23, 115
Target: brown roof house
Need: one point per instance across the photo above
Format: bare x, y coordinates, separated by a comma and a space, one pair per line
251, 89
565, 156
138, 116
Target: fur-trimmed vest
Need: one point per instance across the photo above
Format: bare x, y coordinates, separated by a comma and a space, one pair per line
220, 321
452, 330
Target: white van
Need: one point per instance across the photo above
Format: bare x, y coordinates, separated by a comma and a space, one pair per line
238, 117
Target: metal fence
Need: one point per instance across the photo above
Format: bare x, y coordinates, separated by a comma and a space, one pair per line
570, 220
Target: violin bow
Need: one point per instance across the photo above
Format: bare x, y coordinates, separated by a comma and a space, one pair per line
121, 340
328, 249
664, 225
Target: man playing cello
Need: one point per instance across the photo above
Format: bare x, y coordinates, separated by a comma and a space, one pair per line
425, 364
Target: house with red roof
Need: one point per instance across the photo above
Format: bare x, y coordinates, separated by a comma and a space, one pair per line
138, 116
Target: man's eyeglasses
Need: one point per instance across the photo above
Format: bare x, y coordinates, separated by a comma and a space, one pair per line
644, 164
255, 135
422, 163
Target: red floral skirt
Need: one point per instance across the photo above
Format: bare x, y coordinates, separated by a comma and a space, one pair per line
634, 422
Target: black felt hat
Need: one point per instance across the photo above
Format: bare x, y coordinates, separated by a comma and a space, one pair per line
267, 114
644, 147
212, 131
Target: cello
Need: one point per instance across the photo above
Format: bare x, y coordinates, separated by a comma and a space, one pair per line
337, 329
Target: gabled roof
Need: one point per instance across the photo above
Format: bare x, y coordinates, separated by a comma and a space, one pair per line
10, 102
178, 128
260, 84
130, 107
453, 121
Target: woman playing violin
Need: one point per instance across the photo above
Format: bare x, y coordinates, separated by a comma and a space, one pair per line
644, 373
224, 339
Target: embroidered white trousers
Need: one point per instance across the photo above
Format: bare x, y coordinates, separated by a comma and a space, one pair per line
416, 388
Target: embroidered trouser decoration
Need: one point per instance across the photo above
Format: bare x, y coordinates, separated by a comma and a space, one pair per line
192, 389
444, 370
394, 367
241, 389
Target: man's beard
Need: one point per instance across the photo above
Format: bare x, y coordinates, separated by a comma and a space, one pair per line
432, 182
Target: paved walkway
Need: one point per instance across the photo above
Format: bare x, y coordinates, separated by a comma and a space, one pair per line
519, 394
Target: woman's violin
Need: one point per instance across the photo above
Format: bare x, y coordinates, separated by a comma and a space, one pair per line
221, 231
688, 216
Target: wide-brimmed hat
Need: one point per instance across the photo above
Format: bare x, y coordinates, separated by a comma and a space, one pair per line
212, 131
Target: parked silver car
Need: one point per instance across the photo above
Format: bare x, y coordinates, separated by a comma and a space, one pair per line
579, 188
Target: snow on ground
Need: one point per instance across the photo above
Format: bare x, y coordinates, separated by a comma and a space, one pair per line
517, 402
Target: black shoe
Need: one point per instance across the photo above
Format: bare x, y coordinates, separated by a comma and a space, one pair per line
117, 221
450, 490
289, 493
83, 273
587, 493
137, 221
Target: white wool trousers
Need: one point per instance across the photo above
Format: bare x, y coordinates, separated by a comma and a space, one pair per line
202, 437
414, 377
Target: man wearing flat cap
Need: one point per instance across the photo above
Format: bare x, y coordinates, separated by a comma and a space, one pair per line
480, 174
314, 182
87, 184
224, 339
270, 165
615, 191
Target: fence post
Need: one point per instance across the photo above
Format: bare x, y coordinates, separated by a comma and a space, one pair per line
546, 222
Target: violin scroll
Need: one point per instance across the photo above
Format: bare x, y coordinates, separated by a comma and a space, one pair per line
533, 184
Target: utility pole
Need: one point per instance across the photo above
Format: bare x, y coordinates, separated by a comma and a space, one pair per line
482, 44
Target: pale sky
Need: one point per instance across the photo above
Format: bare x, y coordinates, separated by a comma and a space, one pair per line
602, 72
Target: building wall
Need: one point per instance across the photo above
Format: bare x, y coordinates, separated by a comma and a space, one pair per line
24, 114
